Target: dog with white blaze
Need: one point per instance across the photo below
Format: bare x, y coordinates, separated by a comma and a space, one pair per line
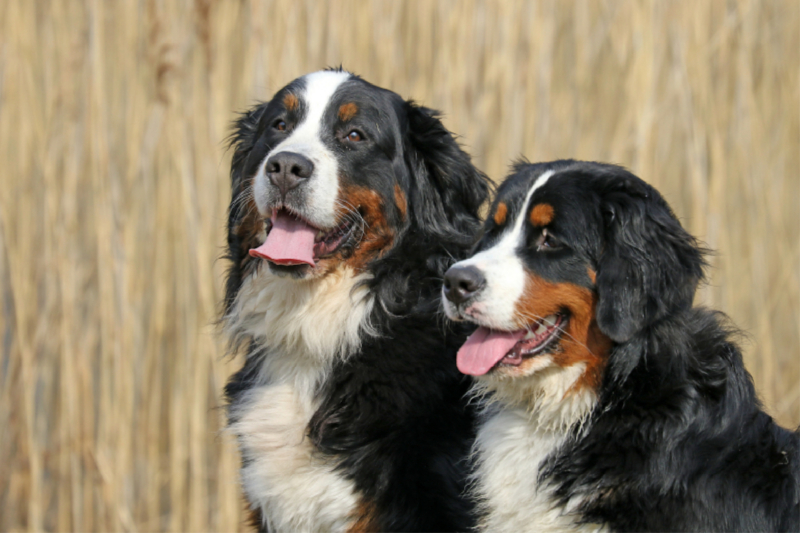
348, 205
610, 402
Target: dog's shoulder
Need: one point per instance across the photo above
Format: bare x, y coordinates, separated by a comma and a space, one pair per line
685, 440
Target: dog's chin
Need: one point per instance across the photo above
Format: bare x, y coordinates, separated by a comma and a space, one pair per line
322, 268
527, 368
293, 271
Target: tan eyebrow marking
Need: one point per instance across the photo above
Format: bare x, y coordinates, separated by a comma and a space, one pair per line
592, 274
291, 102
500, 214
347, 111
542, 214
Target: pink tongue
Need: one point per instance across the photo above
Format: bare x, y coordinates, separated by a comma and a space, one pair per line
290, 241
484, 349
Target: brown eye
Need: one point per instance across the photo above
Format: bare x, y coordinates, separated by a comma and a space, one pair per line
545, 242
280, 125
354, 136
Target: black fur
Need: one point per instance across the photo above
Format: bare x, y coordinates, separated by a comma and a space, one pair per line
393, 417
682, 444
396, 418
678, 440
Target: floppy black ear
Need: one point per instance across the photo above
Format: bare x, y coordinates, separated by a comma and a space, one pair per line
446, 190
444, 195
649, 266
242, 140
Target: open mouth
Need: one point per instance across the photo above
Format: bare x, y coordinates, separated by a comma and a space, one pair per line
292, 241
486, 349
536, 340
327, 243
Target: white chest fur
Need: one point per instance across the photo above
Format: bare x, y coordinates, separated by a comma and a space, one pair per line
309, 321
510, 449
305, 326
295, 489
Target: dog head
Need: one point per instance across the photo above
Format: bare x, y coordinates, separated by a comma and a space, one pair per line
335, 173
575, 257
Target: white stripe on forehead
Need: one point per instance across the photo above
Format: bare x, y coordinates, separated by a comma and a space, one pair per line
317, 93
319, 88
513, 238
503, 270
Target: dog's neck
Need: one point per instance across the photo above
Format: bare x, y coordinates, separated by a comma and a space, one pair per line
511, 448
526, 420
549, 397
300, 327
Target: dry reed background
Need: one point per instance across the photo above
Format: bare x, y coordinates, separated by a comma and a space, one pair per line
114, 188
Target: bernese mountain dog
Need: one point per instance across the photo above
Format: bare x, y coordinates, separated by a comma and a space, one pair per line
610, 401
348, 205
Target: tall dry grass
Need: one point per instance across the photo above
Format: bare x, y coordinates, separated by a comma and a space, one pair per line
113, 193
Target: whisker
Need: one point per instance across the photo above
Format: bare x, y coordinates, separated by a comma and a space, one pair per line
351, 216
563, 332
244, 197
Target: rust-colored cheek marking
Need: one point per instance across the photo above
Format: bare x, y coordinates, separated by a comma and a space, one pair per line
347, 111
291, 102
400, 200
582, 341
366, 518
500, 214
542, 214
378, 233
592, 274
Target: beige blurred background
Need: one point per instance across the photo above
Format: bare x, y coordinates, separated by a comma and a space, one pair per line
113, 190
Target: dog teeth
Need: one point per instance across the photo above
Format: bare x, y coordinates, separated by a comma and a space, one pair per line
550, 321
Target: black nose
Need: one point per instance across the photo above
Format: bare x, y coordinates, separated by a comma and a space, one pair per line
287, 170
461, 282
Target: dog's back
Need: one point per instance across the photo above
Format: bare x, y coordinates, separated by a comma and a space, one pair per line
684, 442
